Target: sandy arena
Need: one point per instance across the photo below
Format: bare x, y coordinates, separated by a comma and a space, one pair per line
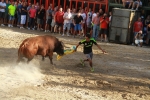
123, 73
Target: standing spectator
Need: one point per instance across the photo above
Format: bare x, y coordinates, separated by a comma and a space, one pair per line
88, 21
72, 25
110, 16
19, 13
137, 3
138, 25
6, 17
101, 12
40, 17
139, 38
23, 15
59, 19
77, 23
147, 20
11, 11
67, 21
2, 12
53, 21
104, 21
32, 15
48, 18
84, 21
37, 6
96, 23
28, 17
127, 2
148, 33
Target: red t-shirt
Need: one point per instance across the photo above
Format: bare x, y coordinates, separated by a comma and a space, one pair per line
59, 17
104, 25
32, 13
138, 26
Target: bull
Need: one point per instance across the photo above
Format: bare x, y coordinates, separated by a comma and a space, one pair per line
40, 45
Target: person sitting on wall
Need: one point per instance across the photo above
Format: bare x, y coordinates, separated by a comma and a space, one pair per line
137, 4
139, 38
127, 2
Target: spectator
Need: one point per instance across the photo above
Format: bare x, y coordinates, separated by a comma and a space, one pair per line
67, 21
53, 21
59, 19
101, 12
6, 17
147, 20
127, 2
2, 12
11, 11
139, 38
19, 13
23, 15
28, 16
104, 21
73, 15
77, 23
137, 3
110, 16
83, 22
32, 15
48, 19
96, 25
117, 1
37, 7
148, 33
88, 20
138, 25
40, 17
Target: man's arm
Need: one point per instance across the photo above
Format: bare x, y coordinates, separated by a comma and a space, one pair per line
100, 48
77, 46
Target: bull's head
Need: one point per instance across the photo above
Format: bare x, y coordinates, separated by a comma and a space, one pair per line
60, 49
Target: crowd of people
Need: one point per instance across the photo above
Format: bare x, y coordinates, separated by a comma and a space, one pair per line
75, 22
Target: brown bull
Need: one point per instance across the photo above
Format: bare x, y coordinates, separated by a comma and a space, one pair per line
40, 45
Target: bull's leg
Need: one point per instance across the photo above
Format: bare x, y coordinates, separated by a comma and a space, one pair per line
51, 57
43, 58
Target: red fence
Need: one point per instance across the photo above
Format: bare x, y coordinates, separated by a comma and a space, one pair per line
94, 4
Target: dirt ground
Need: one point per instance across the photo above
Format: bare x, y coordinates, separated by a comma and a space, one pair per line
123, 73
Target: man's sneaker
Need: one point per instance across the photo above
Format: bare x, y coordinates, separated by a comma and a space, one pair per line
2, 25
8, 25
62, 34
92, 69
21, 27
82, 62
48, 31
41, 29
11, 25
28, 28
45, 30
33, 29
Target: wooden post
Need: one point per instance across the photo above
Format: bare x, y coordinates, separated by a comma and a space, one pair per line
65, 5
82, 4
70, 4
53, 4
76, 4
34, 1
46, 4
58, 3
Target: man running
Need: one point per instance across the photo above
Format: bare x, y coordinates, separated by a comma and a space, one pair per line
88, 43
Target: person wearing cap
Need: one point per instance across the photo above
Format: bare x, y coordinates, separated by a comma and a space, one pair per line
87, 49
139, 38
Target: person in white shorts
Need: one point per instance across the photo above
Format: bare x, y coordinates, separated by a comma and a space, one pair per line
139, 38
67, 22
137, 3
2, 12
23, 15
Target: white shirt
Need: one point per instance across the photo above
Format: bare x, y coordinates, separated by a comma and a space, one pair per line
89, 17
67, 15
2, 4
84, 17
94, 15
